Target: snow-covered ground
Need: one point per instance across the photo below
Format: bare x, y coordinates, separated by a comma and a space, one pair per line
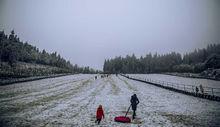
180, 80
72, 101
210, 86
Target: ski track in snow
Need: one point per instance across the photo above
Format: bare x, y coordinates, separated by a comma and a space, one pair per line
73, 100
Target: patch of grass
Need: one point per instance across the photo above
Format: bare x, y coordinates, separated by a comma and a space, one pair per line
18, 107
129, 85
8, 94
187, 120
115, 89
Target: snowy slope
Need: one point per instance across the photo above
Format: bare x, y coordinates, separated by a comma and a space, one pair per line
180, 80
210, 87
72, 101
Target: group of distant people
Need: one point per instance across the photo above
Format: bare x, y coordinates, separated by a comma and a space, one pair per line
100, 112
102, 76
201, 89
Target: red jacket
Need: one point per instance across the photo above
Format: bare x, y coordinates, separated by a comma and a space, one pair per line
99, 113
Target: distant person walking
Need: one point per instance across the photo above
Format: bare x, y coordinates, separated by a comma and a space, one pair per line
201, 89
197, 90
99, 114
134, 102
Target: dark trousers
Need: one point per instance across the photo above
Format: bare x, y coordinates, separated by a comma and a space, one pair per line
98, 120
134, 114
134, 107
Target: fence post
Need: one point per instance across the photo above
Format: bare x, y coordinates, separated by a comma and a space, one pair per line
184, 88
192, 89
212, 92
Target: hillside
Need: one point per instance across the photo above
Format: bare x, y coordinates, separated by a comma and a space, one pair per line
204, 62
19, 60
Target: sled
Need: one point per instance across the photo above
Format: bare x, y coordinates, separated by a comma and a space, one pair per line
123, 119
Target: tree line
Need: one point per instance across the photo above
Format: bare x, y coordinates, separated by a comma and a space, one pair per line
12, 50
195, 62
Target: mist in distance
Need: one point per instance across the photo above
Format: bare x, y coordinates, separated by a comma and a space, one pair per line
88, 32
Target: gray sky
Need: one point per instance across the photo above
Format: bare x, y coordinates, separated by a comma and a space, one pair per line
88, 31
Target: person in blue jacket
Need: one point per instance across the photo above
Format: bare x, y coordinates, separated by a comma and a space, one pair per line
134, 102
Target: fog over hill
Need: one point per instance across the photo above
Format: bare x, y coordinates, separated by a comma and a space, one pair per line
88, 32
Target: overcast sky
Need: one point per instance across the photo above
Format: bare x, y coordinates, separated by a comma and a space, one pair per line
87, 32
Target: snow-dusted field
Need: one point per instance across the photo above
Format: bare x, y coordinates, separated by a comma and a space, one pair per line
210, 86
180, 80
72, 101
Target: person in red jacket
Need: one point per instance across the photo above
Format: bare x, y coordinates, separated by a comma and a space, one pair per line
99, 114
